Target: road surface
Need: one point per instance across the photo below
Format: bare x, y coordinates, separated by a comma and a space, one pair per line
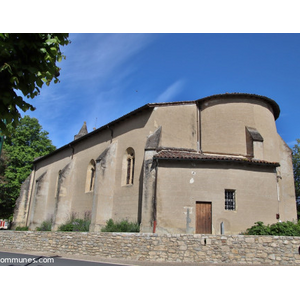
19, 259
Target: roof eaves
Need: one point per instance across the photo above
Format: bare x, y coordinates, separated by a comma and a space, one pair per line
126, 116
186, 156
188, 102
273, 103
80, 139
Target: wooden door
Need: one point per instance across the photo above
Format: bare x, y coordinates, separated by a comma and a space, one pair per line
203, 217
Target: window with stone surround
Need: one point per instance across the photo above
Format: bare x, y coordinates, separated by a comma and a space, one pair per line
128, 167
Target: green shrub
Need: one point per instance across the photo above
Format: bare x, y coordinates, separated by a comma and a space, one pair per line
45, 226
66, 227
76, 225
22, 228
122, 226
81, 225
280, 229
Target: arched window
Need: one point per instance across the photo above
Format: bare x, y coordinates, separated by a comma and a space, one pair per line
128, 166
90, 176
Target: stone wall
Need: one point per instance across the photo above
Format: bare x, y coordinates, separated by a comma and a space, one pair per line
189, 248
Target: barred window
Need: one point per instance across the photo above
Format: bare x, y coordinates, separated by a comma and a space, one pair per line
230, 199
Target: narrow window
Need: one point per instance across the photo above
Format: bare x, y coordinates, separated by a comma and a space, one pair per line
90, 177
129, 160
128, 166
230, 200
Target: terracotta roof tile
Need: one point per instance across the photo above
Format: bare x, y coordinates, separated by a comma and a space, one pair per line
186, 155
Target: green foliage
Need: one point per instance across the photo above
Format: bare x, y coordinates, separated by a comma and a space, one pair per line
258, 229
27, 61
26, 142
296, 167
279, 229
20, 228
3, 166
123, 226
76, 224
45, 226
66, 227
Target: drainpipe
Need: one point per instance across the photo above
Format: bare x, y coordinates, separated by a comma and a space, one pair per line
154, 197
278, 177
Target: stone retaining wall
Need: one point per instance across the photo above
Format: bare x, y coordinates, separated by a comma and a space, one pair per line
189, 248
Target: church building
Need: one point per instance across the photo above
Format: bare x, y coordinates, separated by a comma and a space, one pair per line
214, 166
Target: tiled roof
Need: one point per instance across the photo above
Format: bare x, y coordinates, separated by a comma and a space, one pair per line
152, 106
274, 105
187, 155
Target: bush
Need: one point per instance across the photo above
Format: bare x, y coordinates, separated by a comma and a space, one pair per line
20, 228
45, 226
76, 225
122, 226
280, 229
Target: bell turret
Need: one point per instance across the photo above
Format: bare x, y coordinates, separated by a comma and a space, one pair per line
83, 131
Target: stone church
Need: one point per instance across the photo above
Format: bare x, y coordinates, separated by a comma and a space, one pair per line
214, 165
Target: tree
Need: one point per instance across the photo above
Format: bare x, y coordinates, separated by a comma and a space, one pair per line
27, 61
25, 143
296, 167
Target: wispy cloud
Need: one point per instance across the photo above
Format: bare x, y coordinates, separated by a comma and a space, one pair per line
92, 78
109, 52
170, 91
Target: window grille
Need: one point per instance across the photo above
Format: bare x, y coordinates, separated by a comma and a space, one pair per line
229, 199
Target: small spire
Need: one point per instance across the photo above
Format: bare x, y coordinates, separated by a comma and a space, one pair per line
83, 131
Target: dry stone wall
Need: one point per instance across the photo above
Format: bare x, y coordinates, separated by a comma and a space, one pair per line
189, 248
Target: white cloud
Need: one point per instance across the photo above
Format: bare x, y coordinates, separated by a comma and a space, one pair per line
170, 91
100, 56
92, 79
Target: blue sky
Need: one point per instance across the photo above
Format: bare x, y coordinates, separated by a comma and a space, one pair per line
108, 75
